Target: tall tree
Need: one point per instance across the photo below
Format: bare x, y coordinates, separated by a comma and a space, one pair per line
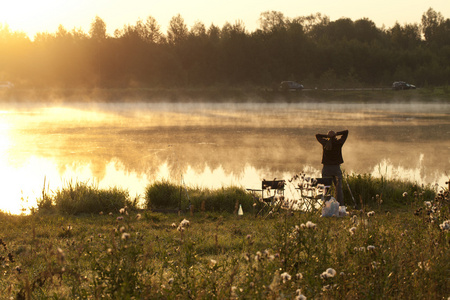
97, 30
177, 30
431, 20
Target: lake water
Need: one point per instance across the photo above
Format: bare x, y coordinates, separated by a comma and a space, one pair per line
211, 145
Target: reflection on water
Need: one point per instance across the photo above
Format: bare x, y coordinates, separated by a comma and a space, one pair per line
211, 145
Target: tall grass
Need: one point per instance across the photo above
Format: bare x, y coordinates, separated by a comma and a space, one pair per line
166, 196
81, 197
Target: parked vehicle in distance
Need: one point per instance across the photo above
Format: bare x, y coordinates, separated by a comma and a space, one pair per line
290, 86
401, 85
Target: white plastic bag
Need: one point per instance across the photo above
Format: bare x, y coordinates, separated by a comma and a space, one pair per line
331, 208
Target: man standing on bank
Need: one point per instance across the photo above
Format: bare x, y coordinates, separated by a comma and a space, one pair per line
332, 159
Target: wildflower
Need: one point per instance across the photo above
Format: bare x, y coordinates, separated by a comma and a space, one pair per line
352, 230
405, 194
125, 236
249, 237
375, 265
138, 216
170, 281
425, 266
122, 211
310, 225
371, 214
110, 214
299, 276
427, 203
122, 229
326, 288
185, 223
100, 213
174, 225
285, 277
329, 273
370, 248
60, 255
445, 226
212, 263
119, 218
180, 228
299, 295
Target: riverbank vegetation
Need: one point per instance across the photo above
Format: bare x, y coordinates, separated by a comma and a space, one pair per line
311, 49
393, 245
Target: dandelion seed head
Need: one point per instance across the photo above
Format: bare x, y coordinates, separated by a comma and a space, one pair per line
285, 277
329, 273
212, 263
185, 223
445, 226
310, 225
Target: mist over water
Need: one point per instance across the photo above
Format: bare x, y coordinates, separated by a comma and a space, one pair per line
211, 145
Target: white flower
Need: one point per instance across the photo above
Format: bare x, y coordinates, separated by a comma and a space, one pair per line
299, 276
405, 194
352, 230
310, 225
370, 248
125, 236
138, 216
329, 273
299, 295
371, 213
122, 211
212, 263
427, 203
185, 223
285, 276
445, 226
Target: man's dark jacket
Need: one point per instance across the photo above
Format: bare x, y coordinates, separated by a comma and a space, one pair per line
333, 156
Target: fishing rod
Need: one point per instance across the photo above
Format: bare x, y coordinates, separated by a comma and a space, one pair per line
351, 194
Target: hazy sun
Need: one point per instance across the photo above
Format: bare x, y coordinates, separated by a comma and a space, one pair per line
31, 16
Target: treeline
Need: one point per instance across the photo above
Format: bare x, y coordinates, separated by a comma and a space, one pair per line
312, 50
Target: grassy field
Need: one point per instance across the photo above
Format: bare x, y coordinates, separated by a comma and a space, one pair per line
379, 251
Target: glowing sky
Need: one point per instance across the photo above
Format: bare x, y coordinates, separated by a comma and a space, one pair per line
32, 16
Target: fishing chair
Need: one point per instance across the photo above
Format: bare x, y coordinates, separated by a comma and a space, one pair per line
271, 194
316, 194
